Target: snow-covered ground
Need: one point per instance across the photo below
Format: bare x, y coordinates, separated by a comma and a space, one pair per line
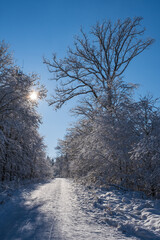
132, 213
63, 210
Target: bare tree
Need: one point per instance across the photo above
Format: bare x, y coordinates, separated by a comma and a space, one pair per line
97, 61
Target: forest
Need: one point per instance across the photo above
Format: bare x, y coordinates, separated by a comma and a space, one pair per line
116, 139
22, 149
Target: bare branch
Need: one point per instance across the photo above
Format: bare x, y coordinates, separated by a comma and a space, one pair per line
98, 60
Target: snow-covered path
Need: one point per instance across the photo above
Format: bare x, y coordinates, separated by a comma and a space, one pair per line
51, 211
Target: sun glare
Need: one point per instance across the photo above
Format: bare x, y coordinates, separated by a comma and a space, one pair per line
33, 96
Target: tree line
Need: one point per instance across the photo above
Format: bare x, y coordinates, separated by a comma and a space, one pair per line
22, 149
116, 139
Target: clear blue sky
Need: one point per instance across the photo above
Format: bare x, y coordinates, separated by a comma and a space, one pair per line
36, 28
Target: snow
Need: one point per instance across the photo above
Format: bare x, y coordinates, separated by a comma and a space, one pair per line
132, 213
64, 210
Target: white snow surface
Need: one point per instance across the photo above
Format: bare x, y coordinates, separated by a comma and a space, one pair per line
64, 210
132, 213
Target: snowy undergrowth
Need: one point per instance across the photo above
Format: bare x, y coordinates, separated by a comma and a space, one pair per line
132, 213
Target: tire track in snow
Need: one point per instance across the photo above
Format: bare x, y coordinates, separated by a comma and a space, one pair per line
51, 211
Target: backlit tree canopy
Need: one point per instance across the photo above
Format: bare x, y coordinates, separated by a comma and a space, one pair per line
22, 151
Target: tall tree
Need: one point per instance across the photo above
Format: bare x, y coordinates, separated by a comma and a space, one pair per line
22, 151
94, 67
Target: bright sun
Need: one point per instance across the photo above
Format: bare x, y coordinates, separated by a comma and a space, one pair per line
33, 95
